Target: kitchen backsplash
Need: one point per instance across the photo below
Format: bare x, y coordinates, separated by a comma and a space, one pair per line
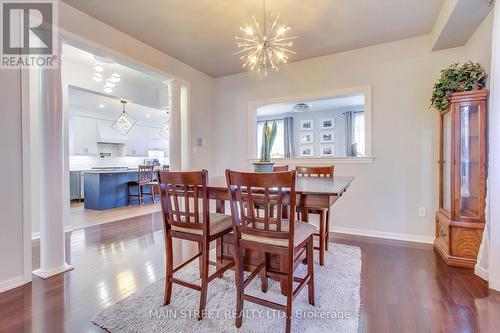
77, 163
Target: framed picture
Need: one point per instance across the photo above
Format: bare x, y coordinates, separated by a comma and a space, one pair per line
306, 151
327, 151
327, 137
307, 137
327, 123
306, 125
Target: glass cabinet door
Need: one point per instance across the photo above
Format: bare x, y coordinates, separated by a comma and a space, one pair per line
469, 163
446, 162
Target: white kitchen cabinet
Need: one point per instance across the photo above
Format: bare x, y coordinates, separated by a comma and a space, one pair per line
141, 139
84, 136
137, 144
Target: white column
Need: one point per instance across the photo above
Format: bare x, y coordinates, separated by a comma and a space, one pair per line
175, 137
52, 247
489, 253
174, 128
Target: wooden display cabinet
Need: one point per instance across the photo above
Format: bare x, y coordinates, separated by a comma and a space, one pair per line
462, 190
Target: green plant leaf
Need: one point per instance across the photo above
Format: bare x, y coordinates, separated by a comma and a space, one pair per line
456, 78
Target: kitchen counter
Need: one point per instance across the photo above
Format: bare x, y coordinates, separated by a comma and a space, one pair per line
109, 171
107, 189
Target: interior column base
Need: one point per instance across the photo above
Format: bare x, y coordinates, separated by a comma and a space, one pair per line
45, 274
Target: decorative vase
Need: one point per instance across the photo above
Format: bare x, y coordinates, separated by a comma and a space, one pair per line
263, 166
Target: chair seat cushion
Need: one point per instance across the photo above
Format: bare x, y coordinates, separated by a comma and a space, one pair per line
218, 223
301, 232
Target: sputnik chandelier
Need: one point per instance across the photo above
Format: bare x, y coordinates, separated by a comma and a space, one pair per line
266, 47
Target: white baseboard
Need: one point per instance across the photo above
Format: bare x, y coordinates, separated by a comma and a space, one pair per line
384, 235
494, 284
481, 272
11, 283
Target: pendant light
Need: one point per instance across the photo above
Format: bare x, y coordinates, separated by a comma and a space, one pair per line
125, 121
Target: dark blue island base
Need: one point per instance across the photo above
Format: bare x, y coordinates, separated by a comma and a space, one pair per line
107, 190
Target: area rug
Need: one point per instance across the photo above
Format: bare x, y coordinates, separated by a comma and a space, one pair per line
337, 298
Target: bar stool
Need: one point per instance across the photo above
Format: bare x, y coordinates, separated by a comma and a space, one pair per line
144, 179
324, 213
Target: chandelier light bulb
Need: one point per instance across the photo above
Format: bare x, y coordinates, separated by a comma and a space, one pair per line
263, 48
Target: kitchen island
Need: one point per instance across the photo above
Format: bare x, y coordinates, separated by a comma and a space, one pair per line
107, 189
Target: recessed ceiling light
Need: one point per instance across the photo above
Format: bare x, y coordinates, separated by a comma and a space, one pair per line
148, 115
101, 106
97, 77
109, 84
164, 81
115, 77
108, 90
98, 67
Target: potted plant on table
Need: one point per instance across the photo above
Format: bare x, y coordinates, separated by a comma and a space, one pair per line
268, 137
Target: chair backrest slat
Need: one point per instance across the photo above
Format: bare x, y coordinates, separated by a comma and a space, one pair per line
315, 171
252, 191
177, 191
145, 173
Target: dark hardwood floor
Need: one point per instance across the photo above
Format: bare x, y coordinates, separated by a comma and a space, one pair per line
405, 287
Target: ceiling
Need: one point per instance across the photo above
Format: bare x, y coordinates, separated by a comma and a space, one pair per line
87, 103
343, 102
201, 33
87, 61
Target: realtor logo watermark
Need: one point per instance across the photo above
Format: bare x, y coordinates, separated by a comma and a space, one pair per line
29, 33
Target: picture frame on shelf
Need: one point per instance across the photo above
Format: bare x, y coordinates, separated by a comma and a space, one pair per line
307, 137
306, 151
327, 151
306, 125
327, 137
328, 123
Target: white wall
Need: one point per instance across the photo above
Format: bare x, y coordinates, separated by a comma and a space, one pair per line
477, 48
385, 196
11, 217
316, 117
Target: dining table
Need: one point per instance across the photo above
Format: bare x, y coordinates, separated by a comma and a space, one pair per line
311, 192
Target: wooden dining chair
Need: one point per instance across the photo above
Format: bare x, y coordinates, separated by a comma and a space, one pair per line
324, 213
144, 179
268, 235
276, 168
280, 168
186, 215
